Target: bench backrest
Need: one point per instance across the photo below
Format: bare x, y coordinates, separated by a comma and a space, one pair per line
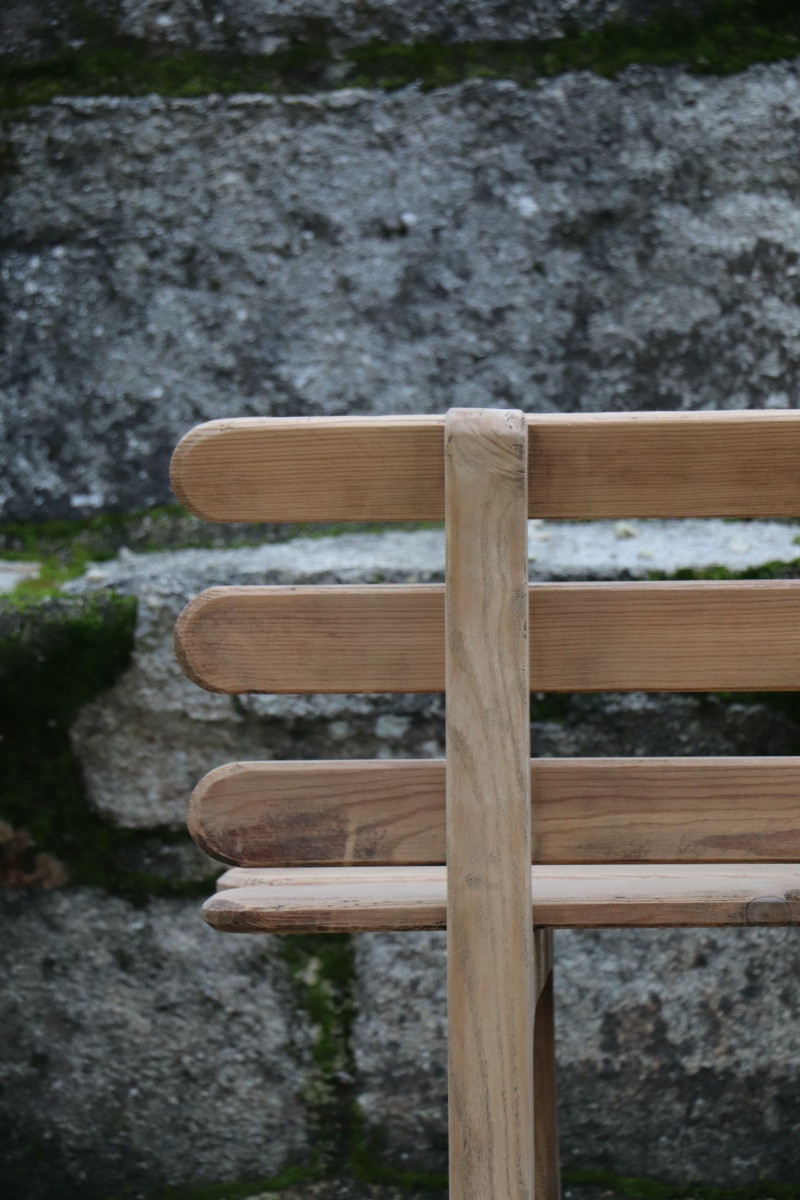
486, 472
656, 636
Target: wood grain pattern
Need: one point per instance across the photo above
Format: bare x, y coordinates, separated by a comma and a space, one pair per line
584, 810
546, 1172
490, 1001
686, 636
498, 910
323, 878
722, 464
589, 897
352, 899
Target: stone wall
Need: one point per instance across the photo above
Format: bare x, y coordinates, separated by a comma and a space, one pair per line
678, 1051
588, 244
407, 207
35, 28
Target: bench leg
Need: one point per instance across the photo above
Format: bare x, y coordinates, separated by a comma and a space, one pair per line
546, 1169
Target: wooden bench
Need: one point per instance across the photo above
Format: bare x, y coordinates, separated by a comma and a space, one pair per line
530, 845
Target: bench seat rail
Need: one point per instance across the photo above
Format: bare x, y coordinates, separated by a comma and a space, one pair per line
257, 899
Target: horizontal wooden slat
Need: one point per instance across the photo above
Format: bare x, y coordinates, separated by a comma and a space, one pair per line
583, 465
351, 899
692, 636
584, 810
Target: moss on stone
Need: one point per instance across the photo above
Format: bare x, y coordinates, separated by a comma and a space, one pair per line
55, 656
595, 1181
368, 1163
778, 569
130, 69
721, 37
322, 969
65, 548
240, 1190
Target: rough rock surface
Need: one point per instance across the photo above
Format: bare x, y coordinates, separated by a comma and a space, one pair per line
140, 1048
587, 244
112, 1011
678, 1050
35, 28
144, 744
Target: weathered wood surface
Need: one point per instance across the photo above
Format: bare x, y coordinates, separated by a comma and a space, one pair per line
264, 900
584, 810
573, 818
722, 464
490, 1003
670, 636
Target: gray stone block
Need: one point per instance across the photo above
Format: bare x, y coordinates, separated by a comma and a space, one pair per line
587, 244
112, 1012
35, 28
139, 1048
678, 1051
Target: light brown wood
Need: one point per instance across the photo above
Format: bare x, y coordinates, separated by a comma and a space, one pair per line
584, 810
325, 877
723, 464
488, 808
498, 910
322, 639
687, 636
546, 1172
589, 897
296, 813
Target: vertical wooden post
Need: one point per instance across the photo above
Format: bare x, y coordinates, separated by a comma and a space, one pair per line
489, 927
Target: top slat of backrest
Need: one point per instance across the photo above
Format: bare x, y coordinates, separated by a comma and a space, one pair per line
725, 464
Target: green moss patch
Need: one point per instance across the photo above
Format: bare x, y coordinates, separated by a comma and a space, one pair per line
322, 970
130, 70
723, 37
368, 1163
780, 569
592, 1182
242, 1190
65, 548
55, 656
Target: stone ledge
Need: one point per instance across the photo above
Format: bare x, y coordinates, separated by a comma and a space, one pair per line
32, 29
556, 248
139, 1047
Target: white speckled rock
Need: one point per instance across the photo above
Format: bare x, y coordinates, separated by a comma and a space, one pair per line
139, 1048
33, 28
678, 1050
586, 244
